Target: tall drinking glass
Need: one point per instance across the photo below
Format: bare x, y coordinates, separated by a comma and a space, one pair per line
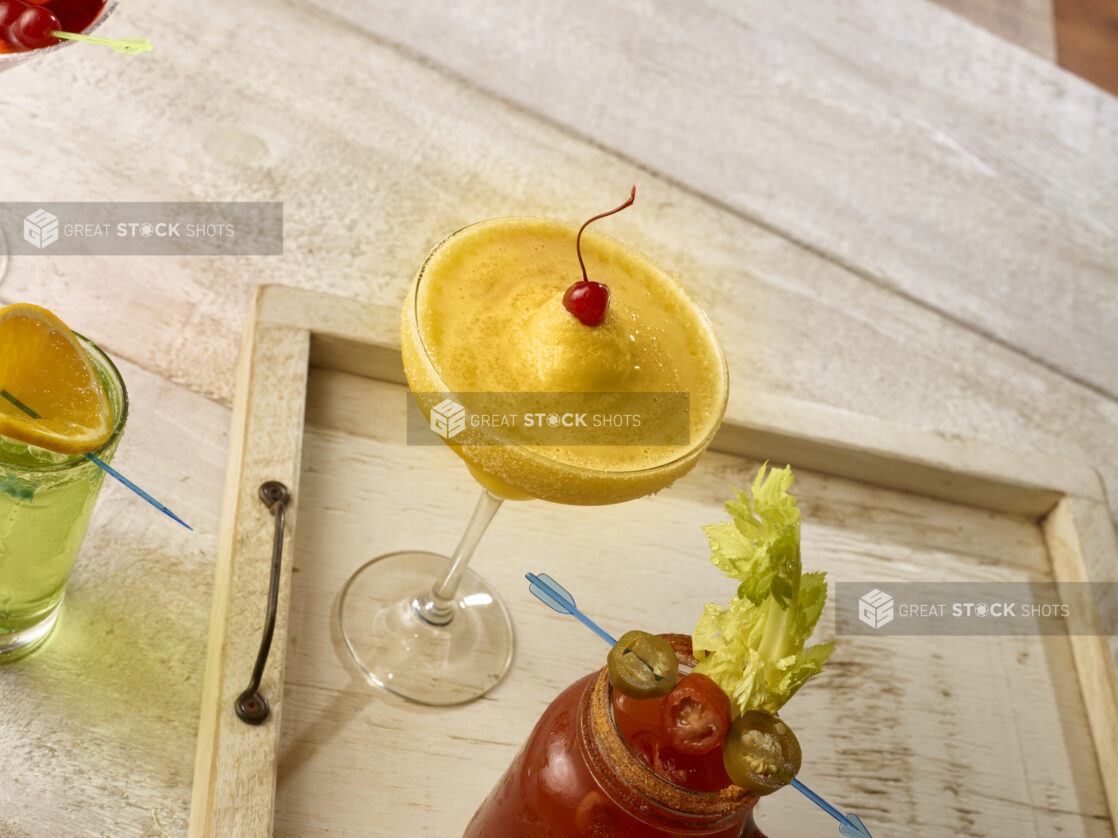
46, 500
484, 319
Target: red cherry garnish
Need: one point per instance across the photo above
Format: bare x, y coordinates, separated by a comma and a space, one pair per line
32, 28
588, 300
10, 10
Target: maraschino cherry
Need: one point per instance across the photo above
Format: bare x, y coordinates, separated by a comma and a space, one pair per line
32, 29
25, 24
9, 11
586, 299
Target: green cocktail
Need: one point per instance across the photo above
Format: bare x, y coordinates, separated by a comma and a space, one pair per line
46, 500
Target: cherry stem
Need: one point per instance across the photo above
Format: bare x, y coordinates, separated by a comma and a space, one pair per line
578, 239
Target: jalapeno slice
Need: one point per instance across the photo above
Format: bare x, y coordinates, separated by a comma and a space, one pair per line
643, 665
761, 753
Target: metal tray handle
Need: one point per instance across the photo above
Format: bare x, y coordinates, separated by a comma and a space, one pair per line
251, 707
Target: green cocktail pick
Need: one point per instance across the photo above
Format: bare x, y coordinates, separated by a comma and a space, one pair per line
105, 467
129, 46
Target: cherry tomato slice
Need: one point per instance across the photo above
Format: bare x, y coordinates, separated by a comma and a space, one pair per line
696, 715
761, 753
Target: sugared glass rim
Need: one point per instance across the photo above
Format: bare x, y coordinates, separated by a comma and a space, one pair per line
11, 59
528, 452
99, 356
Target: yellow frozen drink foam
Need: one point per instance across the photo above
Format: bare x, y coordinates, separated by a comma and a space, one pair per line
486, 315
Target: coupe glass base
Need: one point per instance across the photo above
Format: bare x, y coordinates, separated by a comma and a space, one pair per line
397, 649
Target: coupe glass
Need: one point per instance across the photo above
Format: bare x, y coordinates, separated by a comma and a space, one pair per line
425, 626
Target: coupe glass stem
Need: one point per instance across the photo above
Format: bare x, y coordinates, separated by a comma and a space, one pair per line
437, 605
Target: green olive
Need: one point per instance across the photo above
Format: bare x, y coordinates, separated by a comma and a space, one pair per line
643, 665
761, 753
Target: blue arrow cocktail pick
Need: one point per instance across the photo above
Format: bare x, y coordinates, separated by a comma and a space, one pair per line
849, 825
105, 467
558, 598
854, 828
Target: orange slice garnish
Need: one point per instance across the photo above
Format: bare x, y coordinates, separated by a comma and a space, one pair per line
44, 367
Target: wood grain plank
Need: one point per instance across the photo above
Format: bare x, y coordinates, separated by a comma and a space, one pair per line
1027, 23
904, 143
1087, 40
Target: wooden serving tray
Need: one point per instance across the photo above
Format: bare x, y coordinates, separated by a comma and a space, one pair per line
928, 736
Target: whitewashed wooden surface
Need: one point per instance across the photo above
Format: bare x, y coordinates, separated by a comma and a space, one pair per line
884, 209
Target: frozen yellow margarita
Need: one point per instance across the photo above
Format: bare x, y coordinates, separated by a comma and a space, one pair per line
486, 315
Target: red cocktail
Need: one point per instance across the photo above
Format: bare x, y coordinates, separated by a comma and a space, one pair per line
593, 767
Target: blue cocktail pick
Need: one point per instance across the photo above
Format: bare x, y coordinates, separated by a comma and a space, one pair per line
105, 467
849, 825
112, 472
558, 598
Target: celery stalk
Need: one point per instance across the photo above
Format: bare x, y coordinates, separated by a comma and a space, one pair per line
754, 648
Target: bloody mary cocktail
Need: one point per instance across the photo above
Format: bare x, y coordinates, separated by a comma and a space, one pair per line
582, 774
